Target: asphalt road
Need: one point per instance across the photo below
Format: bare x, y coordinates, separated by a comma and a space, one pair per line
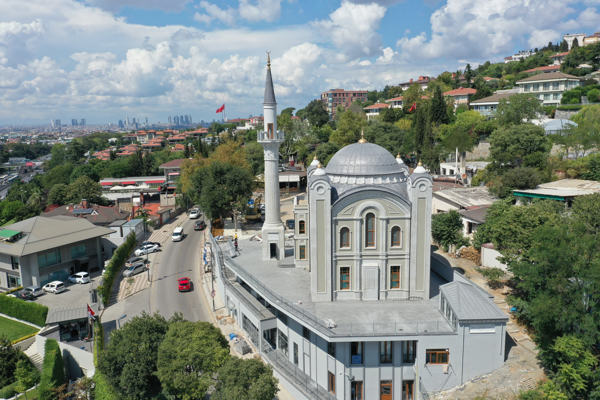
176, 260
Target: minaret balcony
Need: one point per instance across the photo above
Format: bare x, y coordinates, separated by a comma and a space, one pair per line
270, 137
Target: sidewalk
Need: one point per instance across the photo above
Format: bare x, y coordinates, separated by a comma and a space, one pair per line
165, 232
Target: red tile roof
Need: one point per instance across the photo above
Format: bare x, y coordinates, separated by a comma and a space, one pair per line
402, 98
460, 92
548, 68
376, 106
560, 54
174, 163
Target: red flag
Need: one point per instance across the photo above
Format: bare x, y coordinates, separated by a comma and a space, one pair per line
413, 108
221, 109
90, 311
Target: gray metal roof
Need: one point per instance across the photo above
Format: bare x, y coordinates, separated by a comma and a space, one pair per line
469, 302
558, 125
59, 315
42, 233
363, 159
269, 92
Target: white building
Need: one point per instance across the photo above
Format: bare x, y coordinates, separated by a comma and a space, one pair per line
518, 56
549, 87
570, 37
375, 109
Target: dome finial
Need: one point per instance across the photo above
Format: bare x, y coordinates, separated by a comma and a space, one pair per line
319, 166
398, 156
315, 157
268, 59
420, 164
362, 137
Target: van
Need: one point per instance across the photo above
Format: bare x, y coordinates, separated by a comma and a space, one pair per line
54, 287
177, 234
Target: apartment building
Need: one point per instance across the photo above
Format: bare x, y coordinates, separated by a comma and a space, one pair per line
549, 87
570, 38
595, 38
518, 56
340, 97
423, 81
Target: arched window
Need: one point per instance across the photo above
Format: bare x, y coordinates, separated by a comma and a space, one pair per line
301, 228
396, 237
345, 237
370, 230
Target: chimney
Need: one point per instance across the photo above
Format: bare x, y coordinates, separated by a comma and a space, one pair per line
84, 203
410, 80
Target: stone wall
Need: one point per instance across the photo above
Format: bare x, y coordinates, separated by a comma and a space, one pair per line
565, 114
480, 152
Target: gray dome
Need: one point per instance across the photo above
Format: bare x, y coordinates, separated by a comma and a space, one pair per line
363, 159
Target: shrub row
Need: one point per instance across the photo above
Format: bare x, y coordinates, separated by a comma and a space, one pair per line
13, 290
103, 389
98, 340
30, 312
570, 107
53, 370
23, 338
116, 262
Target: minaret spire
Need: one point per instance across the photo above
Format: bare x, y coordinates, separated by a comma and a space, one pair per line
269, 91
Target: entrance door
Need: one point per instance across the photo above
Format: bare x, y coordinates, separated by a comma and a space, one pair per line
408, 390
273, 247
386, 390
371, 282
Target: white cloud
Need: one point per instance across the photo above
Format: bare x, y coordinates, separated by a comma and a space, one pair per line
589, 18
213, 12
262, 10
387, 57
17, 41
353, 28
116, 5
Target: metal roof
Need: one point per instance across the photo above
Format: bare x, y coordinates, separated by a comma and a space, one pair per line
363, 159
269, 91
82, 211
72, 313
469, 303
475, 214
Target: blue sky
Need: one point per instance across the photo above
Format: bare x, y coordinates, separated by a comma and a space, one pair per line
106, 60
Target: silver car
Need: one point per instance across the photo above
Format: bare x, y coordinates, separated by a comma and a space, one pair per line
134, 269
34, 290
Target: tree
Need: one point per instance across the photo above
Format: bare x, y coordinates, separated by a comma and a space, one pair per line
422, 128
186, 151
189, 355
509, 145
316, 113
446, 229
515, 179
59, 156
388, 136
289, 111
84, 170
412, 95
483, 90
9, 357
58, 174
255, 156
245, 380
136, 163
468, 75
75, 151
395, 91
517, 109
10, 210
326, 151
129, 361
59, 194
391, 115
85, 188
439, 108
575, 44
348, 130
24, 378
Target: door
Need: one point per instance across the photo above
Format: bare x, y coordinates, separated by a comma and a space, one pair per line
371, 282
408, 390
386, 390
273, 247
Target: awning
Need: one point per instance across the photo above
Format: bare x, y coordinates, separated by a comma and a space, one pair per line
173, 173
106, 183
155, 181
128, 183
7, 233
172, 187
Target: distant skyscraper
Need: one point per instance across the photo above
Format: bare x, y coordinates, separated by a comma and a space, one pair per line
170, 120
52, 123
176, 121
121, 123
181, 120
83, 123
186, 119
146, 120
127, 121
74, 122
133, 121
190, 117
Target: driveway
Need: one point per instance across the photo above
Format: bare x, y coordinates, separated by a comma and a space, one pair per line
74, 295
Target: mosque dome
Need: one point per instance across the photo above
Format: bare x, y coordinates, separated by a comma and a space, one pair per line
363, 159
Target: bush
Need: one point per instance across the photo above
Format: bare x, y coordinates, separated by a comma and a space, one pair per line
574, 101
493, 276
8, 391
593, 95
103, 390
30, 312
114, 266
13, 290
446, 229
566, 108
53, 370
98, 340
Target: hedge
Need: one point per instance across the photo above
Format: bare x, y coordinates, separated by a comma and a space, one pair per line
30, 312
53, 370
103, 389
114, 266
98, 340
13, 290
23, 338
570, 107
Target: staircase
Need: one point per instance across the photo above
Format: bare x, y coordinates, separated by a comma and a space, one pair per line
33, 355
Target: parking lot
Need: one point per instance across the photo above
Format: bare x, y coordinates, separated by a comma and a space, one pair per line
74, 295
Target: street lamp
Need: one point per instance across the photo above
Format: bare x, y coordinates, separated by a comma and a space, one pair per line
119, 320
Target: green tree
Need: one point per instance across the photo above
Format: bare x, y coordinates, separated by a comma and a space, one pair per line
245, 380
517, 109
388, 136
59, 194
391, 115
24, 377
255, 156
395, 91
349, 129
521, 178
483, 90
10, 210
439, 108
463, 134
85, 188
53, 372
289, 111
136, 163
468, 75
59, 156
423, 130
509, 145
84, 170
414, 94
9, 357
75, 151
446, 229
316, 113
58, 174
189, 355
326, 151
129, 361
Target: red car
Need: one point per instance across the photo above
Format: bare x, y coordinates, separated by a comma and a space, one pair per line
184, 284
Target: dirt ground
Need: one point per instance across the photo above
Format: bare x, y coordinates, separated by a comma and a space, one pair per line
521, 370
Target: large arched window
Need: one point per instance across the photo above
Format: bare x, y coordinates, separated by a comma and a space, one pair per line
396, 237
301, 228
344, 237
370, 230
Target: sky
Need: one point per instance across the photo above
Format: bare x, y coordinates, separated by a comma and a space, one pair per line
105, 60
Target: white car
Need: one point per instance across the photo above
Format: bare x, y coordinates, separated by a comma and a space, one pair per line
80, 277
194, 214
54, 287
146, 249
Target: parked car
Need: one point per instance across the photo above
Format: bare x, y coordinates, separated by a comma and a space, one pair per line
177, 234
80, 277
290, 223
146, 249
133, 260
24, 295
54, 287
200, 226
134, 269
184, 284
34, 290
195, 213
156, 243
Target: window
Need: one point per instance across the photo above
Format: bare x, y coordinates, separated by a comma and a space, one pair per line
356, 350
395, 277
555, 96
370, 230
331, 349
303, 252
546, 86
296, 354
356, 390
15, 262
555, 86
385, 355
282, 342
536, 87
78, 251
345, 238
48, 259
14, 281
546, 97
408, 390
386, 390
301, 228
270, 131
345, 278
437, 357
397, 236
331, 382
306, 332
409, 351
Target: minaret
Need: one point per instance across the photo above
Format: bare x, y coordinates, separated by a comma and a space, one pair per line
273, 230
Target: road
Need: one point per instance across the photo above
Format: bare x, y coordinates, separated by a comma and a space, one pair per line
176, 260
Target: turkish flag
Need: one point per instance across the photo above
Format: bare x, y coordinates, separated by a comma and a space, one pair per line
221, 109
413, 108
90, 311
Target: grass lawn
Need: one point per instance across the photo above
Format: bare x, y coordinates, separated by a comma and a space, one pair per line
30, 395
15, 330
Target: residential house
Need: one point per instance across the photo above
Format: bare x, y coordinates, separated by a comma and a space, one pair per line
340, 97
559, 58
375, 109
549, 87
595, 38
398, 102
97, 215
172, 169
545, 70
519, 56
565, 190
488, 105
43, 249
423, 81
461, 95
473, 217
